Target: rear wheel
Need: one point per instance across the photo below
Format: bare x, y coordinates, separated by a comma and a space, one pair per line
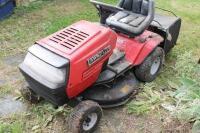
85, 117
151, 66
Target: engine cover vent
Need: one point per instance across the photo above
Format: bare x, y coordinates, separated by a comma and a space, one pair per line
70, 38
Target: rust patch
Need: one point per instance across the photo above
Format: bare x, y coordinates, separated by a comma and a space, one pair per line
125, 89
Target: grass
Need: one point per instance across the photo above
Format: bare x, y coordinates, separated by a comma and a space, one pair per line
151, 99
180, 68
177, 85
11, 128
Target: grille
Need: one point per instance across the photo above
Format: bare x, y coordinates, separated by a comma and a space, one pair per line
69, 38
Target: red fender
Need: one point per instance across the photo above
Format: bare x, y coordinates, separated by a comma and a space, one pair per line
148, 47
138, 48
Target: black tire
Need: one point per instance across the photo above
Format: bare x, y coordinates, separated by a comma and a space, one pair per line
145, 71
29, 95
80, 117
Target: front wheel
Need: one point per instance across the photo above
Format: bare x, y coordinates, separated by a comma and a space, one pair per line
151, 66
85, 117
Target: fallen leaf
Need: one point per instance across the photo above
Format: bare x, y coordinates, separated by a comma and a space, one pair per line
168, 106
17, 98
48, 120
35, 127
173, 85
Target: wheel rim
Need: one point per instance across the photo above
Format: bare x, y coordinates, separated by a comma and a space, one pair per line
155, 66
90, 121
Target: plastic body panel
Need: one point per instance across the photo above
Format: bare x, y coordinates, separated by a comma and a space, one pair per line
47, 56
53, 92
56, 96
81, 74
138, 48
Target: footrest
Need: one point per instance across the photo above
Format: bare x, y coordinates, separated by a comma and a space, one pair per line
105, 76
117, 55
120, 66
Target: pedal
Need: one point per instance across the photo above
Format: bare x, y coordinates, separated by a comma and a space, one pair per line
116, 56
105, 76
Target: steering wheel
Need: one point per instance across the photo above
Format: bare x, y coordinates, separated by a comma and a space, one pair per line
105, 7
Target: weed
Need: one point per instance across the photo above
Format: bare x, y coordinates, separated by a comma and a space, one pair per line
147, 100
47, 108
45, 114
15, 127
5, 89
188, 102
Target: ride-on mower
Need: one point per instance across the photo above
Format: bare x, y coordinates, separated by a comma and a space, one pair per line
91, 66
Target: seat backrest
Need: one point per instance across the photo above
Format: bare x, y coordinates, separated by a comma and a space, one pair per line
136, 6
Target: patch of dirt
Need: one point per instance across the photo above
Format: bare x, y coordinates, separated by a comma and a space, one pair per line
117, 120
2, 82
14, 60
175, 126
9, 106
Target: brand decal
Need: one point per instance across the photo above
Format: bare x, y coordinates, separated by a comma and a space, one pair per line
98, 55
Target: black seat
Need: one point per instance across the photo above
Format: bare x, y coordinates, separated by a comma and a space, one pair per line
134, 19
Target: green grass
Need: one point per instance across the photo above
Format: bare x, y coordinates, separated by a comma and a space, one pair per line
5, 89
11, 128
42, 17
181, 67
148, 99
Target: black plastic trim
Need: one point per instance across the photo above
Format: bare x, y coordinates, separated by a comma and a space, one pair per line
48, 56
168, 27
56, 96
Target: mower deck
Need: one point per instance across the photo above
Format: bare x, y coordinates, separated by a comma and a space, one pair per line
113, 94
